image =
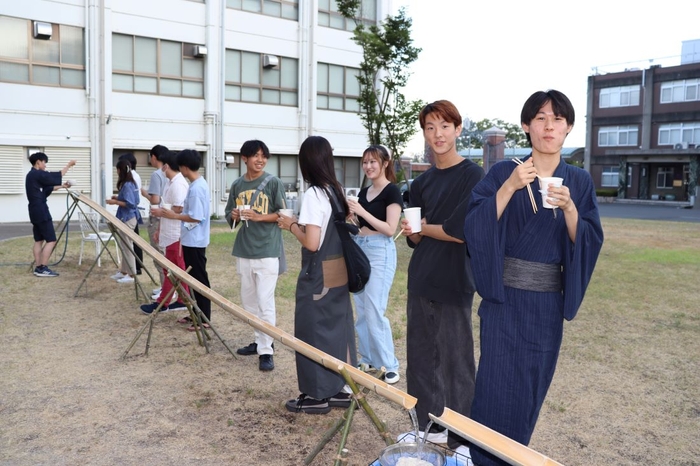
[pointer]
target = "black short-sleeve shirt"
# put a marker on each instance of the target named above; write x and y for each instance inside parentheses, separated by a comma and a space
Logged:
(377, 207)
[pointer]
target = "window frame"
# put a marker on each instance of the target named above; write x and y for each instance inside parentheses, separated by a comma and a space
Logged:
(670, 90)
(284, 6)
(667, 173)
(613, 171)
(605, 132)
(350, 102)
(161, 77)
(33, 64)
(614, 96)
(671, 134)
(331, 18)
(261, 86)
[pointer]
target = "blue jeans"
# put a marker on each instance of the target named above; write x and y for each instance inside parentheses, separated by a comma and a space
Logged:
(375, 342)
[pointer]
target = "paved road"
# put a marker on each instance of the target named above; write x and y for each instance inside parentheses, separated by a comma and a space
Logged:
(650, 212)
(615, 210)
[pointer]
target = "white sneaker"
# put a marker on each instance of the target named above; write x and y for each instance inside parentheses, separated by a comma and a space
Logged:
(433, 437)
(391, 377)
(463, 456)
(117, 276)
(126, 279)
(156, 291)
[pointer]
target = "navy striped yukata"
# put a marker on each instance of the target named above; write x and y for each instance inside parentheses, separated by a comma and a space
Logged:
(521, 329)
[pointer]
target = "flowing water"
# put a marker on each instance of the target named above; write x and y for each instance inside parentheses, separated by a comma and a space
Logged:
(419, 441)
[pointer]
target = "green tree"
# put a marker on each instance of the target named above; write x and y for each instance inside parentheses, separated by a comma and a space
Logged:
(472, 133)
(387, 51)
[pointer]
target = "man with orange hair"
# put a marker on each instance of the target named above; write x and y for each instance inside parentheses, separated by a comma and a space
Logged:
(440, 348)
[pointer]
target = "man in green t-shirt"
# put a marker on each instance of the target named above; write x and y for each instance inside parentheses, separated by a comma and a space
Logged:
(258, 242)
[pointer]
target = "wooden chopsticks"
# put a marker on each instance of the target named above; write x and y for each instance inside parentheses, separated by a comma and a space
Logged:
(529, 189)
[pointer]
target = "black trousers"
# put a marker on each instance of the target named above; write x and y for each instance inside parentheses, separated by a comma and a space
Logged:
(138, 252)
(197, 259)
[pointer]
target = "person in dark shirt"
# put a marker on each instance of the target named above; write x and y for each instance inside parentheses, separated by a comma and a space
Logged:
(440, 366)
(39, 185)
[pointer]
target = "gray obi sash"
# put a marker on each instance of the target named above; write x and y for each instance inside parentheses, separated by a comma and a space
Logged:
(531, 276)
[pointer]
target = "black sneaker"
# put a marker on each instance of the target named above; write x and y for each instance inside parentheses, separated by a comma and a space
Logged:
(341, 400)
(248, 350)
(149, 308)
(266, 362)
(308, 405)
(44, 271)
(176, 306)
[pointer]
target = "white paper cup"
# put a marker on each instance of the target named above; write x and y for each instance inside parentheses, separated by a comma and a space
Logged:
(353, 198)
(287, 212)
(412, 214)
(544, 187)
(155, 206)
(167, 206)
(71, 183)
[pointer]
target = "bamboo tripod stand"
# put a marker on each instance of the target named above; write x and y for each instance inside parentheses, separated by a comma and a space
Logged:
(345, 422)
(196, 315)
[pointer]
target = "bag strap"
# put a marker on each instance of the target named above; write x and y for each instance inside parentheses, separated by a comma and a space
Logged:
(261, 186)
(338, 216)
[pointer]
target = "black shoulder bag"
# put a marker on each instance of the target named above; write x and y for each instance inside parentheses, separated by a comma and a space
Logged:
(356, 261)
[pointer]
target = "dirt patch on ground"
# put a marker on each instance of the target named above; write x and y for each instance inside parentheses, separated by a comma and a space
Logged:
(67, 397)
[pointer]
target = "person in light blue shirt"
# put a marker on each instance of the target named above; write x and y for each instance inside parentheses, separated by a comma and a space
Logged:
(195, 226)
(127, 201)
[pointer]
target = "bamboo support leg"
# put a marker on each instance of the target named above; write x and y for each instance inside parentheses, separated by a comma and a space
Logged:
(342, 451)
(381, 427)
(327, 436)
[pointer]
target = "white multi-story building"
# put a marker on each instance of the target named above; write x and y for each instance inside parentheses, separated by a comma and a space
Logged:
(92, 79)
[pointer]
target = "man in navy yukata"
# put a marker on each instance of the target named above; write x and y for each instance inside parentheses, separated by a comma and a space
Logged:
(531, 266)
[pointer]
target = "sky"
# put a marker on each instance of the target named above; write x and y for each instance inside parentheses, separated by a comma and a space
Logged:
(488, 57)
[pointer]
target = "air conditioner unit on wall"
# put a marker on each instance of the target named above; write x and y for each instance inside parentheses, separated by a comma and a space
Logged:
(680, 145)
(270, 61)
(42, 30)
(200, 51)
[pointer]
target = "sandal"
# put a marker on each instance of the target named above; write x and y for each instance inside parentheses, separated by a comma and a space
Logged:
(192, 328)
(185, 320)
(308, 405)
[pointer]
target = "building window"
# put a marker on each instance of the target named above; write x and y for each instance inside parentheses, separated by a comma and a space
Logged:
(676, 133)
(282, 166)
(248, 79)
(347, 171)
(156, 66)
(287, 9)
(610, 177)
(686, 90)
(329, 16)
(338, 88)
(664, 178)
(625, 96)
(617, 136)
(58, 61)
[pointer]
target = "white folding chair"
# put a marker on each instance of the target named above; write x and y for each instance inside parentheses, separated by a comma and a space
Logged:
(89, 224)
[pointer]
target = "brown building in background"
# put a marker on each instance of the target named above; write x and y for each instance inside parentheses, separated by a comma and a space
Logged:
(643, 132)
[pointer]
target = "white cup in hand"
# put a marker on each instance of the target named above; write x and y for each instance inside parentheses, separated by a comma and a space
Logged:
(412, 214)
(544, 187)
(71, 183)
(287, 212)
(167, 206)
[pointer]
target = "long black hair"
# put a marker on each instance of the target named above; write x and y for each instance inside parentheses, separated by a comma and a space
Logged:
(316, 164)
(124, 173)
